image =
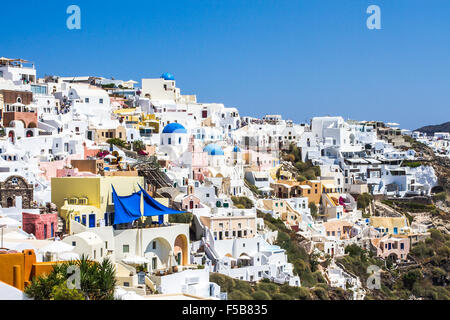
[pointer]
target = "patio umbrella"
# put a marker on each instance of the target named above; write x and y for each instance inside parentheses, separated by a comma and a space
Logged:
(68, 256)
(110, 157)
(10, 223)
(132, 259)
(57, 247)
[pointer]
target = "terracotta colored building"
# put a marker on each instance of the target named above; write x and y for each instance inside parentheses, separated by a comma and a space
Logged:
(18, 269)
(13, 106)
(43, 226)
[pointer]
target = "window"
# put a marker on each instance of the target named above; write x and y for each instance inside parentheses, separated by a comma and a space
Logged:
(126, 248)
(74, 243)
(95, 254)
(402, 246)
(106, 244)
(126, 284)
(100, 101)
(154, 245)
(86, 100)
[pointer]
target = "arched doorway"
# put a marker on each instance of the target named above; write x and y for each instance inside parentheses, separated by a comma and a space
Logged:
(157, 252)
(352, 139)
(181, 250)
(11, 136)
(9, 202)
(392, 258)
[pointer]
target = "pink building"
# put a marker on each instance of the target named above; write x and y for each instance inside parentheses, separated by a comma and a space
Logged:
(73, 173)
(395, 248)
(50, 168)
(90, 152)
(43, 226)
(261, 160)
(198, 160)
(190, 202)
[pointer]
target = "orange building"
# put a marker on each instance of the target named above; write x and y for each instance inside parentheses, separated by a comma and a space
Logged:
(18, 269)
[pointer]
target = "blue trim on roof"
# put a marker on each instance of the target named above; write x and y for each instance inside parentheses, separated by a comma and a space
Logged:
(168, 76)
(213, 150)
(174, 128)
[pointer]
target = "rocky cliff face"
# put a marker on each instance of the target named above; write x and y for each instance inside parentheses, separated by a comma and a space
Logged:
(430, 130)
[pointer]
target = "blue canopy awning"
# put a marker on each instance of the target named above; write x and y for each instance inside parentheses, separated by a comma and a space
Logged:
(126, 209)
(154, 208)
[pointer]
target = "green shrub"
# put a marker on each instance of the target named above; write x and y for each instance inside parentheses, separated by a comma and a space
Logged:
(320, 293)
(281, 296)
(181, 218)
(239, 295)
(410, 278)
(62, 292)
(304, 294)
(442, 196)
(268, 287)
(244, 201)
(261, 295)
(226, 283)
(436, 235)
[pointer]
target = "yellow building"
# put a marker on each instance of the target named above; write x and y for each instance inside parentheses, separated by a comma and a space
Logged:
(87, 199)
(142, 122)
(391, 225)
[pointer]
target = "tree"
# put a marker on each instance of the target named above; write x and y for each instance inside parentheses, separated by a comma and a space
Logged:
(117, 142)
(312, 206)
(410, 278)
(138, 145)
(364, 200)
(314, 260)
(439, 276)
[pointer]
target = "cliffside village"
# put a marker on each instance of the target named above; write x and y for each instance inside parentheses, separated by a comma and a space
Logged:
(99, 167)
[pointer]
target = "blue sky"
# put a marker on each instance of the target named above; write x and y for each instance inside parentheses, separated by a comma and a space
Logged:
(296, 58)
